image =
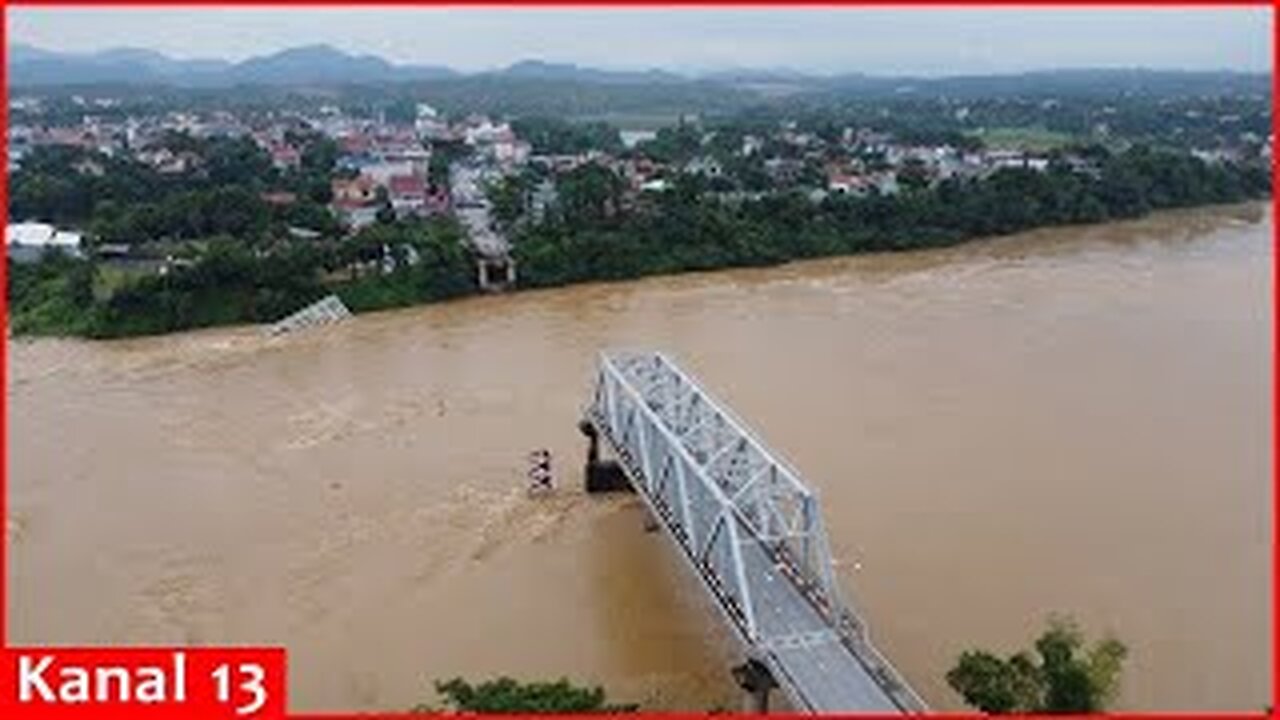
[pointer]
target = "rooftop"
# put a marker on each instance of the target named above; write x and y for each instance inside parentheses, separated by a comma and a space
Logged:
(40, 234)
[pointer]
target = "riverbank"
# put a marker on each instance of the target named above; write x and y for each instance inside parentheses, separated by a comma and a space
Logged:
(372, 295)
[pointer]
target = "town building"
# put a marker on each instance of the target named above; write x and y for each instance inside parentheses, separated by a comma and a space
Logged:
(29, 241)
(408, 194)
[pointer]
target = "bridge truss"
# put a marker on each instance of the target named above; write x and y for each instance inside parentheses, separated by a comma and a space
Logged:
(751, 529)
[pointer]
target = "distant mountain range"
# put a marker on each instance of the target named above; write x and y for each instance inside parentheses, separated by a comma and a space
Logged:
(325, 65)
(309, 64)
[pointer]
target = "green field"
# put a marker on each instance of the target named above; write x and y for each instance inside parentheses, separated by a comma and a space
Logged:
(1031, 139)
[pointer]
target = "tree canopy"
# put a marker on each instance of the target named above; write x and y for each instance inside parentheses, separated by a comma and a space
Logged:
(691, 226)
(1066, 678)
(556, 136)
(505, 695)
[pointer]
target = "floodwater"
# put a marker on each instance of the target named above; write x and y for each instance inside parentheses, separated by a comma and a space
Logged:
(1070, 420)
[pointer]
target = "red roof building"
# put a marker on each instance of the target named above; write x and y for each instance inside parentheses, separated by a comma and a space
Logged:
(408, 194)
(407, 187)
(285, 156)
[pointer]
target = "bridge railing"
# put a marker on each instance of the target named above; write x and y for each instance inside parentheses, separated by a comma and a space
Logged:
(756, 486)
(698, 511)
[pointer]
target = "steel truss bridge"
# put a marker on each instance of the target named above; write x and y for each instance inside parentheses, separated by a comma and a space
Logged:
(750, 528)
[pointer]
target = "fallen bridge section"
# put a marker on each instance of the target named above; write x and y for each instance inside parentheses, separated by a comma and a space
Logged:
(327, 310)
(750, 529)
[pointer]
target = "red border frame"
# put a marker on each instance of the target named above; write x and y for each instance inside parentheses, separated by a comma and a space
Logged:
(740, 4)
(674, 4)
(4, 354)
(921, 4)
(1275, 372)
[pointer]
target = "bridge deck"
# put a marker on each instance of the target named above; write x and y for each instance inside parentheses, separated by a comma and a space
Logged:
(825, 673)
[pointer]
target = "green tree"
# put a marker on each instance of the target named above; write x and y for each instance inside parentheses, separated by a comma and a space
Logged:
(506, 695)
(673, 145)
(508, 196)
(1067, 679)
(443, 154)
(555, 136)
(590, 195)
(913, 175)
(382, 197)
(50, 296)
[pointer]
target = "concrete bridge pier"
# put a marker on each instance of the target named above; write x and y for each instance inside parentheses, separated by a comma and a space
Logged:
(494, 274)
(601, 475)
(757, 683)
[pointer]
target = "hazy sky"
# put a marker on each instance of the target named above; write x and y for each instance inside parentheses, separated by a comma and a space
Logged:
(874, 40)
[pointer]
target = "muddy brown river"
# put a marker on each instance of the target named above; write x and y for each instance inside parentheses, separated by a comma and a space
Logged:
(1069, 420)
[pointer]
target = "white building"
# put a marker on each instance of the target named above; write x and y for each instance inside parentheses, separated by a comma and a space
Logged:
(29, 241)
(431, 128)
(705, 165)
(515, 152)
(997, 159)
(357, 217)
(631, 138)
(382, 172)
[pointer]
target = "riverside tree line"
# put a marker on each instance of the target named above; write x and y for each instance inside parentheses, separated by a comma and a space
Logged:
(688, 228)
(1061, 675)
(242, 264)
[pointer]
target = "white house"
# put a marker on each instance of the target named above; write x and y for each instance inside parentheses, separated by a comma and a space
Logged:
(705, 165)
(997, 159)
(358, 216)
(511, 151)
(29, 241)
(382, 172)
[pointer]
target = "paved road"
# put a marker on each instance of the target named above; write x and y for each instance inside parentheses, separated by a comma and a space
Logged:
(808, 651)
(473, 209)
